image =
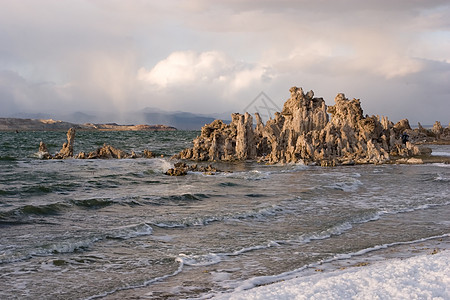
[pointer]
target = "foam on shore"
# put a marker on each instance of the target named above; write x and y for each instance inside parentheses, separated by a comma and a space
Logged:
(423, 276)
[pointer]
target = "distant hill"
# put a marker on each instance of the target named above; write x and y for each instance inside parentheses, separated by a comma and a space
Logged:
(178, 119)
(183, 121)
(18, 124)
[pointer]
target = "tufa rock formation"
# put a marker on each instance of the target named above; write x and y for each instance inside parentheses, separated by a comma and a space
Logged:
(43, 152)
(67, 148)
(436, 135)
(104, 152)
(304, 131)
(181, 169)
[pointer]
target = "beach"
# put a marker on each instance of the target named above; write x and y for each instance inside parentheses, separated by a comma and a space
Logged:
(417, 270)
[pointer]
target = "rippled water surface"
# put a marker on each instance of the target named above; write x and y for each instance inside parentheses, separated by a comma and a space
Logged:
(117, 229)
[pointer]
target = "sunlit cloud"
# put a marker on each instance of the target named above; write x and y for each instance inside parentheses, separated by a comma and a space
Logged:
(187, 68)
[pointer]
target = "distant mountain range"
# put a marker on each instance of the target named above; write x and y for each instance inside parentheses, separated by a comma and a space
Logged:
(20, 124)
(151, 116)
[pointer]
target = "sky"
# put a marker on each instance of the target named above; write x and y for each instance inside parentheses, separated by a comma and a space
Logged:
(209, 57)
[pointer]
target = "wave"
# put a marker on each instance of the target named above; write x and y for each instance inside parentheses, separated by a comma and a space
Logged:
(214, 258)
(93, 203)
(64, 246)
(415, 208)
(7, 193)
(209, 259)
(185, 197)
(227, 184)
(255, 195)
(252, 175)
(15, 215)
(74, 244)
(206, 220)
(144, 284)
(200, 260)
(40, 189)
(37, 190)
(130, 231)
(440, 153)
(171, 199)
(351, 185)
(339, 228)
(443, 165)
(440, 178)
(23, 214)
(334, 230)
(274, 210)
(160, 165)
(7, 158)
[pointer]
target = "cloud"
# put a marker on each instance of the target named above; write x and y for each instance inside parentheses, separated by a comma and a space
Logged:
(190, 68)
(215, 56)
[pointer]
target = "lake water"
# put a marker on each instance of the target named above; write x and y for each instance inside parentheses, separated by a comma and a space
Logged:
(121, 229)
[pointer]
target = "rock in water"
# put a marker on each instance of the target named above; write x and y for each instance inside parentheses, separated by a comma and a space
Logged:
(105, 152)
(179, 169)
(67, 148)
(303, 131)
(437, 129)
(43, 152)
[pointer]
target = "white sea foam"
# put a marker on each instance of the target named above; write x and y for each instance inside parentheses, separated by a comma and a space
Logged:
(425, 274)
(339, 229)
(248, 249)
(200, 260)
(66, 246)
(131, 231)
(441, 165)
(161, 165)
(440, 153)
(421, 277)
(418, 207)
(251, 175)
(439, 177)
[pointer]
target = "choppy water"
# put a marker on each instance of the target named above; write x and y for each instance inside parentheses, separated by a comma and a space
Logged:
(118, 229)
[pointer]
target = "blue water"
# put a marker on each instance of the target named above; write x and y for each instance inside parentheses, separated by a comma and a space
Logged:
(118, 229)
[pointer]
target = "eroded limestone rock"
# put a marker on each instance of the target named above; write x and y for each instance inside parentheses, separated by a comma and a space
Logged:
(43, 151)
(181, 169)
(104, 152)
(437, 134)
(304, 131)
(67, 148)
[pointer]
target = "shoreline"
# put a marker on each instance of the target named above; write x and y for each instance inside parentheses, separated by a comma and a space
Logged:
(348, 270)
(400, 251)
